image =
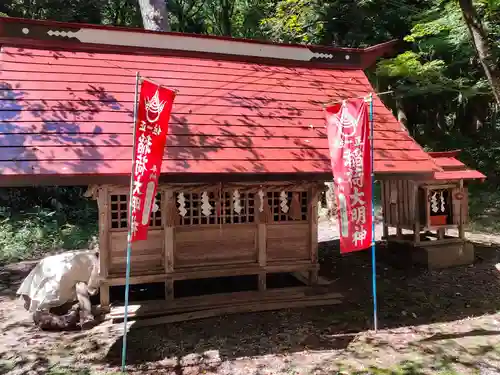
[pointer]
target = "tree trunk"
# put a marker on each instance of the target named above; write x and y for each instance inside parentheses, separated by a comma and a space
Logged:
(482, 46)
(226, 15)
(154, 15)
(401, 113)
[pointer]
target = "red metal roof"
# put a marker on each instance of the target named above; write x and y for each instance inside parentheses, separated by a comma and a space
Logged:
(448, 163)
(453, 169)
(70, 113)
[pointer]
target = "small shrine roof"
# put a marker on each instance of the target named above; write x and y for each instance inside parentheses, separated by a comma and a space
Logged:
(453, 169)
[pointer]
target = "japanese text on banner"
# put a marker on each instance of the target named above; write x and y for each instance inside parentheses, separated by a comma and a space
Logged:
(153, 115)
(350, 150)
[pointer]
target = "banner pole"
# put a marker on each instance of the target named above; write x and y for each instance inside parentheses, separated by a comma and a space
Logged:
(129, 234)
(374, 264)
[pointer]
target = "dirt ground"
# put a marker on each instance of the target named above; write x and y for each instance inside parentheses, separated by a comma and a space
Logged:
(439, 322)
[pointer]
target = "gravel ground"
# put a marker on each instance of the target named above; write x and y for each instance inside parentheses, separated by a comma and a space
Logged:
(430, 323)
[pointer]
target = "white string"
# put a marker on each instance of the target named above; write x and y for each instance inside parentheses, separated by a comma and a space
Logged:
(367, 97)
(142, 78)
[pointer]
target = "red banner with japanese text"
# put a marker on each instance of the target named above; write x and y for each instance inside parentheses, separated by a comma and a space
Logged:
(153, 115)
(349, 142)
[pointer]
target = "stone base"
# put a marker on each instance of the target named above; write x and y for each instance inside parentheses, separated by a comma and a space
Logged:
(438, 256)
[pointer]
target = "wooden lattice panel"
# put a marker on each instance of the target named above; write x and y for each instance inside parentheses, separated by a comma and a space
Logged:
(247, 204)
(119, 212)
(199, 210)
(276, 203)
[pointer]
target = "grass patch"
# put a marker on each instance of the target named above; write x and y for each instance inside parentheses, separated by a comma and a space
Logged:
(31, 236)
(408, 368)
(6, 366)
(69, 371)
(484, 208)
(39, 221)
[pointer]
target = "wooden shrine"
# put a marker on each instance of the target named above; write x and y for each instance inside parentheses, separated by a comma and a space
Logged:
(202, 231)
(431, 214)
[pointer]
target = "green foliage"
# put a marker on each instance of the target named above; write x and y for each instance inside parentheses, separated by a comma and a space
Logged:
(64, 10)
(440, 52)
(70, 371)
(343, 23)
(298, 21)
(238, 18)
(34, 221)
(484, 207)
(409, 65)
(66, 371)
(248, 15)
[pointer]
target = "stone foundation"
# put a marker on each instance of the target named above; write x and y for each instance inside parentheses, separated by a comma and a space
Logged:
(439, 256)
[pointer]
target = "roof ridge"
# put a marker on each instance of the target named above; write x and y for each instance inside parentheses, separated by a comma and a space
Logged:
(27, 32)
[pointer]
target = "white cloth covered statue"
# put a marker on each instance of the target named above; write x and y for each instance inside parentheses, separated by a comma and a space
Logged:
(53, 281)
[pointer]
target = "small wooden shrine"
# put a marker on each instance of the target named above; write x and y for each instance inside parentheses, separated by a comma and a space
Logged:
(430, 214)
(202, 231)
(246, 156)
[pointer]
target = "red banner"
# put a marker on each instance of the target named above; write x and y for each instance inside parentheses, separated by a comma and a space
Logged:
(349, 142)
(153, 115)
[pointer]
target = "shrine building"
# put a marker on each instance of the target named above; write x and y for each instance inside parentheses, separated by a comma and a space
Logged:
(246, 136)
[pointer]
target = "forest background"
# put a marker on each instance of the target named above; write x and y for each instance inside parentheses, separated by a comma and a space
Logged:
(445, 78)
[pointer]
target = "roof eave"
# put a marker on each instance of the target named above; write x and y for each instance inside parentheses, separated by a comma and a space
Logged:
(444, 154)
(182, 178)
(465, 174)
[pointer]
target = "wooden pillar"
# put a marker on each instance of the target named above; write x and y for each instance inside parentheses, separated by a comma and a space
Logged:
(464, 201)
(262, 243)
(169, 240)
(385, 231)
(313, 233)
(427, 209)
(415, 213)
(103, 206)
(385, 211)
(169, 289)
(262, 251)
(399, 209)
(392, 204)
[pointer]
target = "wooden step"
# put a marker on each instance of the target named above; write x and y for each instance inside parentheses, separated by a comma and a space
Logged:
(248, 307)
(241, 301)
(196, 303)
